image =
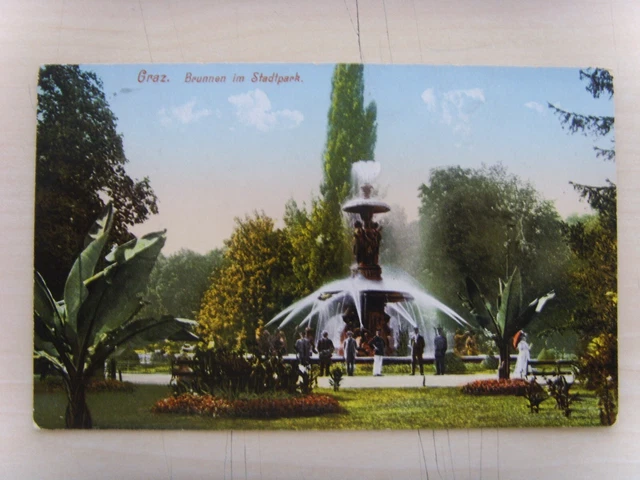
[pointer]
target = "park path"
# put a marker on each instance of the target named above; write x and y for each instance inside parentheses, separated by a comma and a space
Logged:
(359, 381)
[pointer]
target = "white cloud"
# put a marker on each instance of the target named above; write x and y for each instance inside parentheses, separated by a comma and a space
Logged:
(458, 106)
(165, 119)
(183, 114)
(254, 109)
(429, 97)
(535, 106)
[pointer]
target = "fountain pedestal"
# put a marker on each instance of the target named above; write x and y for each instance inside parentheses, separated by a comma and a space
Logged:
(367, 236)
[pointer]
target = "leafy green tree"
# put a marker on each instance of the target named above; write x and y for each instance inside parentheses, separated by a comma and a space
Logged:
(253, 284)
(594, 242)
(321, 247)
(483, 223)
(98, 312)
(178, 283)
(80, 162)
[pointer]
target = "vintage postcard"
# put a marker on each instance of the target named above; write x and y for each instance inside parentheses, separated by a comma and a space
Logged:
(344, 246)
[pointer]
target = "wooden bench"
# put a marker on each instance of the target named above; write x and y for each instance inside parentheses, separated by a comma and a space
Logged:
(550, 368)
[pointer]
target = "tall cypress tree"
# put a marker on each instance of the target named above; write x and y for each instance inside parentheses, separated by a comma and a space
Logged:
(351, 132)
(351, 136)
(319, 241)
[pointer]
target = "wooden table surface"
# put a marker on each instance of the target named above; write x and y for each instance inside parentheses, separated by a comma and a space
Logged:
(510, 33)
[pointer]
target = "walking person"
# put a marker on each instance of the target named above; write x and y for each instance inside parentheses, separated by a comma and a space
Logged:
(378, 345)
(440, 344)
(350, 346)
(325, 347)
(524, 354)
(417, 351)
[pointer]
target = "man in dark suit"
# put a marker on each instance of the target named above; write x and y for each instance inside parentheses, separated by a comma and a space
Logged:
(303, 350)
(325, 349)
(440, 344)
(417, 350)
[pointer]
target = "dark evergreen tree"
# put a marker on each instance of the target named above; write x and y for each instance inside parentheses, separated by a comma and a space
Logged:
(79, 167)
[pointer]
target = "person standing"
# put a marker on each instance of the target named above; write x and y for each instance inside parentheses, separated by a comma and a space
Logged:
(524, 354)
(378, 345)
(417, 350)
(325, 349)
(440, 344)
(350, 346)
(303, 350)
(280, 344)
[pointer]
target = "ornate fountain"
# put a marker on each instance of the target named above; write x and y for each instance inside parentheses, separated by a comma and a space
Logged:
(366, 302)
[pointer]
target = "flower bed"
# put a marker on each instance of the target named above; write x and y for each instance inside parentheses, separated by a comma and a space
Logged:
(55, 383)
(496, 387)
(109, 385)
(303, 406)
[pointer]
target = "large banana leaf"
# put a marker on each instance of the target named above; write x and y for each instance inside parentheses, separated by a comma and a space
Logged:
(115, 293)
(75, 291)
(46, 307)
(479, 305)
(528, 314)
(138, 332)
(510, 302)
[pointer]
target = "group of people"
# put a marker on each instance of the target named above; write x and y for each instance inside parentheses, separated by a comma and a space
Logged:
(417, 351)
(304, 348)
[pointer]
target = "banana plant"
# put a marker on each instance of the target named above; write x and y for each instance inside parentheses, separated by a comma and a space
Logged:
(507, 318)
(98, 312)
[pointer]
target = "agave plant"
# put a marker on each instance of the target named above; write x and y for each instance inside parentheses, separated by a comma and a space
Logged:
(509, 316)
(98, 312)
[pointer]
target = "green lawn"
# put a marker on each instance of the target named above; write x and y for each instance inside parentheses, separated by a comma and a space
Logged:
(365, 409)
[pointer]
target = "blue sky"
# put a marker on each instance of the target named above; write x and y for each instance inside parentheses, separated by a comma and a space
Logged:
(215, 151)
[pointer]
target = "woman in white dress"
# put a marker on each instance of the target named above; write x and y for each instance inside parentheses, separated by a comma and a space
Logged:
(520, 339)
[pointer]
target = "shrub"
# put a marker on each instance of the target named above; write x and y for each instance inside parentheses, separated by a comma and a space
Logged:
(598, 370)
(503, 386)
(547, 354)
(490, 363)
(335, 378)
(265, 407)
(454, 364)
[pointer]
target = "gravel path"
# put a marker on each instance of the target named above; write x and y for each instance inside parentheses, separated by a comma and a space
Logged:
(360, 381)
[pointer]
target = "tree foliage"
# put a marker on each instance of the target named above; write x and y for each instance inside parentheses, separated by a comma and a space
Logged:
(351, 132)
(178, 282)
(594, 243)
(252, 285)
(599, 82)
(481, 224)
(80, 164)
